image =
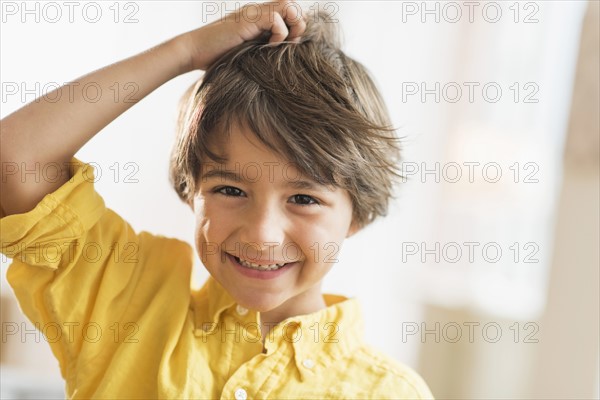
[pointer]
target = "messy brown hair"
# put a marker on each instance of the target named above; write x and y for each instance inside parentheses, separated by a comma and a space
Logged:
(308, 102)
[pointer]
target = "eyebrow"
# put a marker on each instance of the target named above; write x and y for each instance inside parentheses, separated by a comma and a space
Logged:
(234, 176)
(224, 175)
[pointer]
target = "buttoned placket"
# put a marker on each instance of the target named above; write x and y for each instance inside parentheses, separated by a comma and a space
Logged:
(305, 361)
(309, 358)
(245, 318)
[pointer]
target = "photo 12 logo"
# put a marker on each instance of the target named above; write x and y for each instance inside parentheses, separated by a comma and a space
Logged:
(117, 172)
(470, 331)
(51, 92)
(70, 332)
(249, 332)
(470, 172)
(53, 12)
(453, 12)
(471, 92)
(253, 11)
(469, 252)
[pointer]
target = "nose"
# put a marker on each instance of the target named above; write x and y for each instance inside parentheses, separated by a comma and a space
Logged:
(262, 228)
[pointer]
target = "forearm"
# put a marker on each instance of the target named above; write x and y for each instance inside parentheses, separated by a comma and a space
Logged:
(52, 131)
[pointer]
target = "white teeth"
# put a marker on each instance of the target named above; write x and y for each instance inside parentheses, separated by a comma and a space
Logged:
(251, 265)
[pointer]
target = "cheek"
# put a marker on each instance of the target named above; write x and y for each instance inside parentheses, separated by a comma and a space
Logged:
(200, 216)
(320, 240)
(208, 235)
(212, 223)
(200, 233)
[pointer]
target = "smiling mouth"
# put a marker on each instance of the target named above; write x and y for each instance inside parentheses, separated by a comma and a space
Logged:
(259, 267)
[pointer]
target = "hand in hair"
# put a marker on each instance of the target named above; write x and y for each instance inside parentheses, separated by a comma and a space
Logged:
(48, 132)
(283, 19)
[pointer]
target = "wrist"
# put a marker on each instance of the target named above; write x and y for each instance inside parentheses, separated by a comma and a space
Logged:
(180, 48)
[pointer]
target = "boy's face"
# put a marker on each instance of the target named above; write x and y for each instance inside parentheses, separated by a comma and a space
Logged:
(258, 208)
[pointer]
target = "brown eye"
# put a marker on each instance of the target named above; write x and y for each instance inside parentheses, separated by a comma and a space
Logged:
(303, 200)
(230, 191)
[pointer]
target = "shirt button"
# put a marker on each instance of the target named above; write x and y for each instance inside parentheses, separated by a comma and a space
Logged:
(308, 363)
(241, 310)
(240, 394)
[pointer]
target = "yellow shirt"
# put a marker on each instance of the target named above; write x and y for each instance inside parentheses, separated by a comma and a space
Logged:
(120, 316)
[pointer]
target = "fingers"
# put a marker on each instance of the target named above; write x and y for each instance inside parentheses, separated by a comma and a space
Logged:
(284, 20)
(292, 16)
(279, 30)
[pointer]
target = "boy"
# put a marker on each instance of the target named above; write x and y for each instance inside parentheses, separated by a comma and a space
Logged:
(312, 125)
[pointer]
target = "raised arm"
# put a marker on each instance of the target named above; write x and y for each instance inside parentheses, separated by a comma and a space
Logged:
(49, 131)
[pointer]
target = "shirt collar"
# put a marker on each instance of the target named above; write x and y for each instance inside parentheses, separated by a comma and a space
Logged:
(211, 300)
(318, 339)
(326, 335)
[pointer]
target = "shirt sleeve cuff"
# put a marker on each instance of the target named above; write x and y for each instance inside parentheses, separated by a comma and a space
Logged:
(40, 236)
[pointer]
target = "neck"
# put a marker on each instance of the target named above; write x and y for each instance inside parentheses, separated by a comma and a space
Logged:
(305, 303)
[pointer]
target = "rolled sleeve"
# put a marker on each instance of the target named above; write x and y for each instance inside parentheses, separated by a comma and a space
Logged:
(74, 265)
(44, 235)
